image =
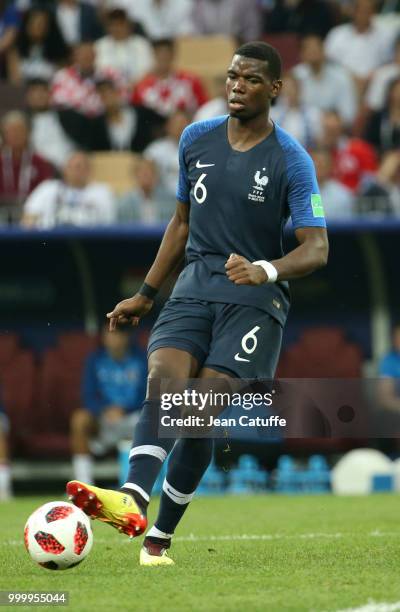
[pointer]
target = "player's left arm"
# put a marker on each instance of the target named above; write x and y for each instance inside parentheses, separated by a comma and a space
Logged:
(307, 213)
(311, 254)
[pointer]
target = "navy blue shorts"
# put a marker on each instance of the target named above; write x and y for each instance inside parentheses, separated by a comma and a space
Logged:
(242, 341)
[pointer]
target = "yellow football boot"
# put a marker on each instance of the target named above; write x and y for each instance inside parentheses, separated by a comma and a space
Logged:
(154, 555)
(116, 508)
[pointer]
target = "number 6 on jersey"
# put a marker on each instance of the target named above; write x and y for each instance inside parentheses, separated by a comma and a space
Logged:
(251, 338)
(200, 191)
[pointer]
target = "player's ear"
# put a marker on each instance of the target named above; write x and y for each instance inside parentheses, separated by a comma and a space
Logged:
(276, 88)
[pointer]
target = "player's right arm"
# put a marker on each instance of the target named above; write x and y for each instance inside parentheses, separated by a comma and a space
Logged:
(170, 254)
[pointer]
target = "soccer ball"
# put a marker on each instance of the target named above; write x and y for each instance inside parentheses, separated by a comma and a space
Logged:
(58, 535)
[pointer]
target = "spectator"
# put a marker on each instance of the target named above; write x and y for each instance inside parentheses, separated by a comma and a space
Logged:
(75, 95)
(337, 200)
(162, 18)
(5, 471)
(381, 79)
(231, 17)
(129, 54)
(113, 387)
(217, 106)
(383, 193)
(146, 203)
(228, 17)
(360, 46)
(354, 160)
(383, 129)
(72, 200)
(48, 137)
(167, 89)
(21, 170)
(320, 81)
(389, 372)
(39, 49)
(122, 127)
(300, 120)
(9, 24)
(78, 21)
(300, 17)
(74, 88)
(165, 153)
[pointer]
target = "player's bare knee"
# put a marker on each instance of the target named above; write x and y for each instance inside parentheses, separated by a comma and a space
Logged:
(81, 421)
(171, 363)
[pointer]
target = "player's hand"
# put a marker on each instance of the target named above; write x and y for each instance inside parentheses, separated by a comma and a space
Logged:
(130, 311)
(241, 272)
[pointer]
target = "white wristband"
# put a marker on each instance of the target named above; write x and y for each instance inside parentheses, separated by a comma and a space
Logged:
(269, 268)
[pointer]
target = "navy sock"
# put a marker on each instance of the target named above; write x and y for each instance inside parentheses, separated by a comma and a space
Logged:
(187, 464)
(147, 454)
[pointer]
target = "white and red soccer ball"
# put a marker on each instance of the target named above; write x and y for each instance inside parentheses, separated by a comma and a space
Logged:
(58, 535)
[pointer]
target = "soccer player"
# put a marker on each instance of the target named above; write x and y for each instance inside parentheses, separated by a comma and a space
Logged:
(241, 177)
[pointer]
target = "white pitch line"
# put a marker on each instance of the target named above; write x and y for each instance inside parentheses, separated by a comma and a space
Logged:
(244, 538)
(373, 606)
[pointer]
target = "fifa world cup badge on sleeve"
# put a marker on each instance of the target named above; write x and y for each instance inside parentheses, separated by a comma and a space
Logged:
(316, 204)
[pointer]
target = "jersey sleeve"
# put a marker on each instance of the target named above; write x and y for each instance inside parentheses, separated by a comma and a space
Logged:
(304, 198)
(183, 188)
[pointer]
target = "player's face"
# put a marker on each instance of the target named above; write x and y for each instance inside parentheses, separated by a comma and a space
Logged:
(249, 88)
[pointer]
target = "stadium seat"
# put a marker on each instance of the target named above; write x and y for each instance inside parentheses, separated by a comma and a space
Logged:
(321, 352)
(75, 346)
(9, 347)
(12, 97)
(59, 393)
(17, 382)
(288, 45)
(115, 168)
(206, 56)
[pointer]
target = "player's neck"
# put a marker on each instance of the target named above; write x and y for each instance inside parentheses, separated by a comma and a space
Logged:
(243, 135)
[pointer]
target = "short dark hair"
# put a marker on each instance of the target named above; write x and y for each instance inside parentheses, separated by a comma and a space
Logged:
(163, 42)
(104, 80)
(117, 14)
(37, 81)
(264, 52)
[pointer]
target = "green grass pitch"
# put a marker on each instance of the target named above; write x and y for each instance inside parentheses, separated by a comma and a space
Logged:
(264, 553)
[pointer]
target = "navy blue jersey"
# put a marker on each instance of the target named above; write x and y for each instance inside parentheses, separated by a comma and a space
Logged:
(240, 203)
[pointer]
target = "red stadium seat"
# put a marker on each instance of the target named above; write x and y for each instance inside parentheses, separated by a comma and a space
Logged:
(17, 381)
(288, 45)
(59, 393)
(76, 345)
(321, 352)
(9, 347)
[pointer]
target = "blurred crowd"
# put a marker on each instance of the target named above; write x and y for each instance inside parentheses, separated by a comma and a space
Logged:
(101, 76)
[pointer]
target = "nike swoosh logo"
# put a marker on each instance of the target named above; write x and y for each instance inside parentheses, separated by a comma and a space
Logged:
(237, 358)
(199, 165)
